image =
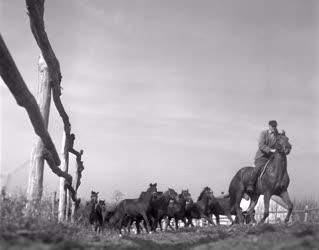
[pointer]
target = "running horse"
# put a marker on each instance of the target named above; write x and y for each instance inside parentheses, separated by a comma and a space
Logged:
(200, 208)
(273, 180)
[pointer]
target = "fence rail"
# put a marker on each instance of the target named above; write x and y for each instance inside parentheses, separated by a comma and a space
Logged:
(305, 211)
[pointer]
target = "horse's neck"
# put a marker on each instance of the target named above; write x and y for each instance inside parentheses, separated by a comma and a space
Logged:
(182, 202)
(279, 165)
(200, 196)
(165, 197)
(203, 201)
(93, 205)
(146, 197)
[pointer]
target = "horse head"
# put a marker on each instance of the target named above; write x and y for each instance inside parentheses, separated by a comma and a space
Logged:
(206, 192)
(102, 202)
(172, 194)
(282, 143)
(186, 195)
(152, 189)
(94, 197)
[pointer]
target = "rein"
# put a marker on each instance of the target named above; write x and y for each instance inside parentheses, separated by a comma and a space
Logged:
(266, 165)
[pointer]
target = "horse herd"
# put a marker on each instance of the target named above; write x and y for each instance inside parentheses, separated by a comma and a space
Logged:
(152, 207)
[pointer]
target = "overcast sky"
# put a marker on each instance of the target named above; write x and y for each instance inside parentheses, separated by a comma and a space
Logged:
(173, 92)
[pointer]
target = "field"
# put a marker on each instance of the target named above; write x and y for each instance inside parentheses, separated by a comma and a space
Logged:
(267, 236)
(41, 231)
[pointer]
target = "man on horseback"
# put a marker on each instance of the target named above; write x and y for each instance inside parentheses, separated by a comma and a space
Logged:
(266, 143)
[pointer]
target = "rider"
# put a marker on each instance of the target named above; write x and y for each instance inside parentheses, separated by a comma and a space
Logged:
(266, 143)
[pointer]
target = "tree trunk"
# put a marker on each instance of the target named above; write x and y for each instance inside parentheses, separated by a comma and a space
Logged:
(35, 185)
(65, 168)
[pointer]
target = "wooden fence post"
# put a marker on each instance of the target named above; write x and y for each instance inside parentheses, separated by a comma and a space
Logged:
(35, 184)
(64, 168)
(306, 213)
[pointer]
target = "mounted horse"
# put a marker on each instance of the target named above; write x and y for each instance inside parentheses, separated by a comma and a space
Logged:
(200, 208)
(177, 209)
(273, 180)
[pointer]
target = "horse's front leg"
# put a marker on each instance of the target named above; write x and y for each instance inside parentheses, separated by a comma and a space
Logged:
(285, 197)
(208, 218)
(266, 206)
(191, 222)
(228, 214)
(252, 205)
(169, 224)
(176, 223)
(184, 221)
(238, 210)
(129, 224)
(160, 223)
(148, 227)
(168, 220)
(138, 226)
(217, 219)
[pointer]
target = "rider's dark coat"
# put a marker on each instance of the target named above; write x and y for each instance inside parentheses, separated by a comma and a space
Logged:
(267, 141)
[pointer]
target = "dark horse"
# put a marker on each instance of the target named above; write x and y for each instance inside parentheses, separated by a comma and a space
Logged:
(274, 180)
(221, 206)
(200, 208)
(136, 208)
(159, 205)
(177, 209)
(95, 216)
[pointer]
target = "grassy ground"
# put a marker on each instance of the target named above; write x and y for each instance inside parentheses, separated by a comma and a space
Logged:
(295, 236)
(41, 231)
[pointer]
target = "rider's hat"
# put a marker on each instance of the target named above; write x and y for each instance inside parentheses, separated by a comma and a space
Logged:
(273, 123)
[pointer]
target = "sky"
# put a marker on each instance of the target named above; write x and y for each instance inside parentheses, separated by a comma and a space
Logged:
(173, 92)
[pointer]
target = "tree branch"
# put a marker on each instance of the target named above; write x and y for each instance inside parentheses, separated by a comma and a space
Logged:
(14, 81)
(36, 12)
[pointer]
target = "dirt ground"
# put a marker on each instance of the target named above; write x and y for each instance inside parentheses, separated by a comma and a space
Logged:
(267, 236)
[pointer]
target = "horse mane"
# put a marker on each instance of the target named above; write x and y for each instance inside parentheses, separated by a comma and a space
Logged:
(202, 193)
(142, 194)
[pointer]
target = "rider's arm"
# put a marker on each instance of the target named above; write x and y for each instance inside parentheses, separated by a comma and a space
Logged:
(262, 143)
